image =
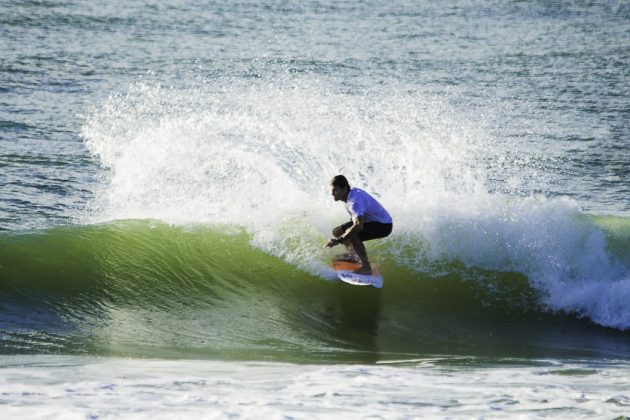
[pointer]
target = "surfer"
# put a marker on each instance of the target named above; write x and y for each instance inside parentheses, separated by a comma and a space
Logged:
(369, 221)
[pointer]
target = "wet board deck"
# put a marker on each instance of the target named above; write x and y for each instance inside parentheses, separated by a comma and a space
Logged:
(343, 269)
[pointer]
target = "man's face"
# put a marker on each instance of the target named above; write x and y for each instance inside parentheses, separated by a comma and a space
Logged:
(338, 193)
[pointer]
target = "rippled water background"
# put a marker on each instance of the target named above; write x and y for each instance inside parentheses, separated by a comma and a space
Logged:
(551, 78)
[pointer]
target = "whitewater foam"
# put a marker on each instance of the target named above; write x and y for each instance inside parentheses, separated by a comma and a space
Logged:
(45, 386)
(259, 154)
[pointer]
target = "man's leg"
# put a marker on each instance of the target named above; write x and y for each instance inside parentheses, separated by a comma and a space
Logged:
(351, 253)
(359, 248)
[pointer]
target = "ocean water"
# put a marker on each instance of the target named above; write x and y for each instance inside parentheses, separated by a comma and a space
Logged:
(164, 202)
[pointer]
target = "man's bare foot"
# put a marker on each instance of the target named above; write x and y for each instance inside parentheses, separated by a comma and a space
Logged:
(367, 271)
(346, 257)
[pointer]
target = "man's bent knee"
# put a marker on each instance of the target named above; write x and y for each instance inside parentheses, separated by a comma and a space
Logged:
(338, 231)
(353, 236)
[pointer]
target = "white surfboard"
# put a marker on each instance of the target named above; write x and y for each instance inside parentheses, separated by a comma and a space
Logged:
(344, 269)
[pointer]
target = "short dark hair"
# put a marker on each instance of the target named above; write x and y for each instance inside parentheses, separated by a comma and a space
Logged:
(340, 181)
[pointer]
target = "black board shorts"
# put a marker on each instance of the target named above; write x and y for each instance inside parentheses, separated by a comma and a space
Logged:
(371, 230)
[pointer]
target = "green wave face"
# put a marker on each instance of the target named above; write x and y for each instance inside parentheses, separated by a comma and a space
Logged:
(147, 289)
(618, 235)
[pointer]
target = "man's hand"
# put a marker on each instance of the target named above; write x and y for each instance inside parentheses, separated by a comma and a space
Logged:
(332, 242)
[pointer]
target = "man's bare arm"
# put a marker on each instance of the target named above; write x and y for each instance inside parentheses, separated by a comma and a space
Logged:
(357, 226)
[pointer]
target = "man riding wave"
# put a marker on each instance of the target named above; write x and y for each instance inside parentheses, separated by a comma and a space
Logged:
(369, 221)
